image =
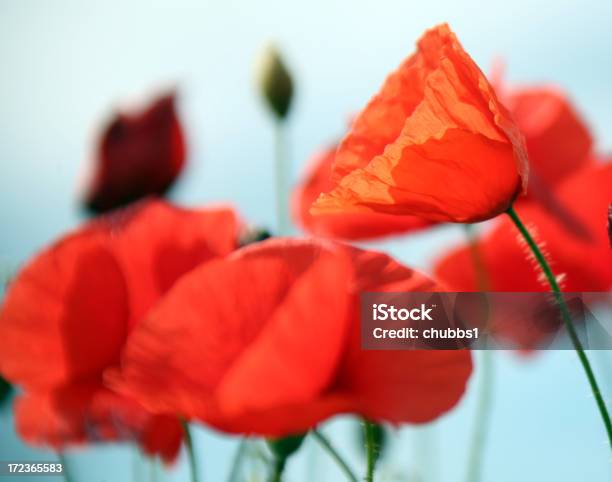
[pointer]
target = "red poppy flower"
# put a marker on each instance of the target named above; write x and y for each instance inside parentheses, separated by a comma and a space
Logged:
(267, 341)
(350, 226)
(138, 154)
(557, 138)
(434, 142)
(89, 412)
(576, 247)
(67, 315)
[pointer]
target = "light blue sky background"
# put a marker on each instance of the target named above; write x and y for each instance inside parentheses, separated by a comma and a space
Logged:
(66, 64)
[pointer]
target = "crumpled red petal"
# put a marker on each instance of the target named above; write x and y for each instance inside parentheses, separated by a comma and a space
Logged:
(348, 226)
(434, 142)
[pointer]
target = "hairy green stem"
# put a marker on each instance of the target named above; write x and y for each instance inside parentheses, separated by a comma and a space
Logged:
(567, 319)
(326, 444)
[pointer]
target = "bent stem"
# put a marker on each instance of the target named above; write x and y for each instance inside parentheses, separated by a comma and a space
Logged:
(485, 391)
(567, 319)
(328, 447)
(193, 465)
(370, 450)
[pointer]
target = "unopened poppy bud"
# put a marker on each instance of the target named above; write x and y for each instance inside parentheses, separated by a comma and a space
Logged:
(275, 82)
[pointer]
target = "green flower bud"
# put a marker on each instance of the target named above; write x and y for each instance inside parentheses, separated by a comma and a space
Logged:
(275, 82)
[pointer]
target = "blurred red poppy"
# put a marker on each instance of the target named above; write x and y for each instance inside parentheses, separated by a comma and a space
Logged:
(68, 313)
(267, 341)
(558, 139)
(349, 226)
(578, 251)
(434, 142)
(138, 154)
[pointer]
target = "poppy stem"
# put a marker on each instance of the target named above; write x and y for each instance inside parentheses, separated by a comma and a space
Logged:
(329, 448)
(278, 469)
(370, 450)
(65, 470)
(483, 416)
(193, 465)
(567, 319)
(280, 175)
(237, 462)
(485, 389)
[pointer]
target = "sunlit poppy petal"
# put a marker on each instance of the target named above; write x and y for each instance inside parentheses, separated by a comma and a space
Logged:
(434, 142)
(350, 226)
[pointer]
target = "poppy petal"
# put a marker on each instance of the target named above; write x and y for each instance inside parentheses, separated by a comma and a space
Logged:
(557, 138)
(256, 316)
(87, 413)
(400, 385)
(75, 283)
(156, 243)
(509, 267)
(138, 155)
(349, 226)
(456, 155)
(252, 319)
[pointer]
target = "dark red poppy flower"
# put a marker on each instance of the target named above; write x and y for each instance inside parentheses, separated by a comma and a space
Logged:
(576, 247)
(138, 154)
(435, 142)
(349, 226)
(558, 140)
(68, 313)
(267, 341)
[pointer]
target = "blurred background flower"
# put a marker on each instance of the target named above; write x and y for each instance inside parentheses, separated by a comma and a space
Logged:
(138, 154)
